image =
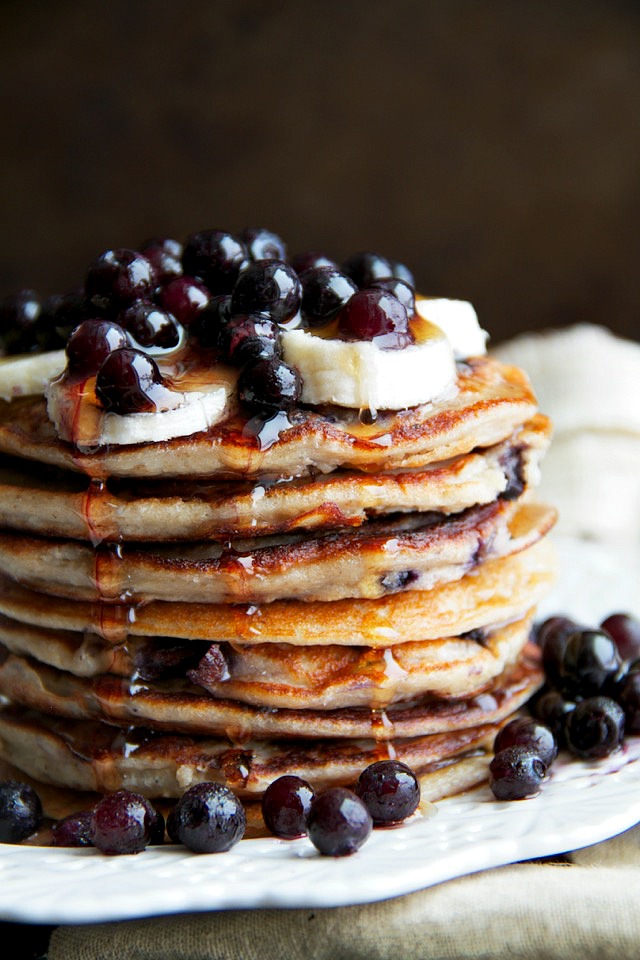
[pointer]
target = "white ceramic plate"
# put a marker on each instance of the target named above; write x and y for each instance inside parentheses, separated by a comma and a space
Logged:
(579, 805)
(468, 833)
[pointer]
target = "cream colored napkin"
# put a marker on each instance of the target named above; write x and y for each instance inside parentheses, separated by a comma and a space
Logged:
(586, 909)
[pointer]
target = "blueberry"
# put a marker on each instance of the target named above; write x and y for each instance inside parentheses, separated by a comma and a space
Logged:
(269, 287)
(364, 267)
(325, 291)
(269, 385)
(401, 272)
(211, 321)
(91, 343)
(551, 636)
(121, 823)
(400, 289)
(215, 257)
(19, 315)
(595, 728)
(184, 298)
(310, 258)
(245, 338)
(118, 277)
(527, 732)
(150, 325)
(262, 244)
(73, 830)
(390, 791)
(128, 381)
(624, 629)
(550, 708)
(338, 822)
(285, 806)
(589, 663)
(165, 256)
(515, 773)
(628, 696)
(208, 818)
(20, 811)
(375, 315)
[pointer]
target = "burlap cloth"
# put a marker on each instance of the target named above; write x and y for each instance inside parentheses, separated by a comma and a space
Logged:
(585, 905)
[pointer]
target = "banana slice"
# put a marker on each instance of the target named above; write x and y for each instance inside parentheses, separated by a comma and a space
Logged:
(459, 321)
(361, 375)
(78, 418)
(27, 375)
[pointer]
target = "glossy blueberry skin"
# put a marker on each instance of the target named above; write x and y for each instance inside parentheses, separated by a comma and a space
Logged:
(165, 256)
(245, 338)
(184, 298)
(285, 806)
(516, 773)
(311, 258)
(263, 244)
(90, 344)
(400, 289)
(628, 696)
(390, 791)
(118, 277)
(325, 291)
(270, 287)
(338, 822)
(589, 663)
(551, 636)
(211, 321)
(19, 315)
(20, 811)
(528, 732)
(128, 381)
(269, 385)
(364, 267)
(215, 257)
(208, 818)
(595, 728)
(150, 325)
(375, 315)
(624, 629)
(120, 823)
(73, 830)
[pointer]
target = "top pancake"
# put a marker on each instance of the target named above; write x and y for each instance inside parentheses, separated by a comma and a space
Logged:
(492, 400)
(57, 503)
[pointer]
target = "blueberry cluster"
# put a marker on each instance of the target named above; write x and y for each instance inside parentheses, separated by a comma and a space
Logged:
(231, 294)
(338, 820)
(209, 817)
(590, 700)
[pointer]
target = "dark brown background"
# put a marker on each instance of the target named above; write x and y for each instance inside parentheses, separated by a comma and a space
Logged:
(493, 146)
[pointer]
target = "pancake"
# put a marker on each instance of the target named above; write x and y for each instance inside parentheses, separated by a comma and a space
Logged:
(278, 675)
(303, 592)
(88, 756)
(494, 592)
(55, 503)
(183, 707)
(413, 552)
(492, 400)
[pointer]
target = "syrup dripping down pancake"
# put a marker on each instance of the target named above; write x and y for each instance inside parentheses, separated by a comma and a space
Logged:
(492, 400)
(412, 552)
(180, 706)
(281, 675)
(55, 503)
(93, 756)
(497, 591)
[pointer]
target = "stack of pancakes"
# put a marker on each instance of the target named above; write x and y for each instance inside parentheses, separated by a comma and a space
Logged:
(302, 596)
